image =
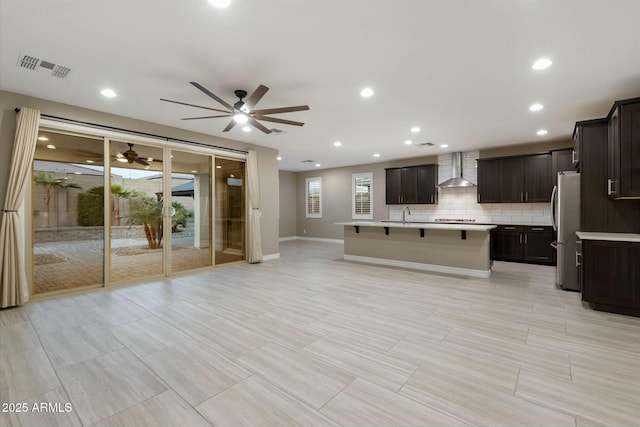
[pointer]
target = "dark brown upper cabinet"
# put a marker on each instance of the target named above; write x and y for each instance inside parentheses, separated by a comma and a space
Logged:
(489, 181)
(624, 150)
(427, 181)
(411, 185)
(518, 179)
(538, 178)
(561, 161)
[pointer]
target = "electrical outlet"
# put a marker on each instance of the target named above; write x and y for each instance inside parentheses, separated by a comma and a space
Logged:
(304, 231)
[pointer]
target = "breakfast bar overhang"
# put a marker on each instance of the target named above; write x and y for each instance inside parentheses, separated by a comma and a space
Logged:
(462, 249)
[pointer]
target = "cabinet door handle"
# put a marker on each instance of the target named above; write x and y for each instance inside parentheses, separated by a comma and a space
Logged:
(578, 259)
(573, 157)
(478, 197)
(526, 196)
(610, 186)
(432, 198)
(526, 240)
(520, 238)
(521, 196)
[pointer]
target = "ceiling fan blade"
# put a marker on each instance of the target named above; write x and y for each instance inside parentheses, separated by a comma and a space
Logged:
(256, 96)
(206, 117)
(281, 110)
(276, 120)
(142, 162)
(253, 122)
(220, 100)
(230, 126)
(193, 105)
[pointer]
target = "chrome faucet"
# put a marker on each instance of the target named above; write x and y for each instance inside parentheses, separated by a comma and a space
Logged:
(406, 209)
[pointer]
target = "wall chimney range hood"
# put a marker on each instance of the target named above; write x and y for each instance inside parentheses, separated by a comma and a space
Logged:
(456, 181)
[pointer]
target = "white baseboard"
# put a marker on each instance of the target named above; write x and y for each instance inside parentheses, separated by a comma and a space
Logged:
(319, 239)
(285, 239)
(271, 257)
(419, 266)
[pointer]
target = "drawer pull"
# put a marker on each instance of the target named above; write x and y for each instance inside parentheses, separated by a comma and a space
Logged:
(509, 228)
(537, 229)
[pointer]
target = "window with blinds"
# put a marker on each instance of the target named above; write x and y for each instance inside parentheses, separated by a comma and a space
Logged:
(314, 197)
(362, 195)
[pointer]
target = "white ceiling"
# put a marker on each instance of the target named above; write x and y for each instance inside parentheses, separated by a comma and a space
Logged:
(458, 69)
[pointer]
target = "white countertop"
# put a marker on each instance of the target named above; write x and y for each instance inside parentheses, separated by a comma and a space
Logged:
(424, 225)
(613, 237)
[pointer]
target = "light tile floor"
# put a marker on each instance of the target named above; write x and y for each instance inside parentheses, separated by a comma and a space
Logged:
(312, 340)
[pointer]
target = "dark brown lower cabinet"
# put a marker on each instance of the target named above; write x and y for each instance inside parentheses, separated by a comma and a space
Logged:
(521, 243)
(610, 274)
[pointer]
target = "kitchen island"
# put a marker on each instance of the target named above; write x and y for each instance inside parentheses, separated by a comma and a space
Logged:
(462, 249)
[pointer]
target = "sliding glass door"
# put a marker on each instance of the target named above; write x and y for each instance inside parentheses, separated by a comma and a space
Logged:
(190, 211)
(68, 219)
(136, 211)
(230, 210)
(115, 211)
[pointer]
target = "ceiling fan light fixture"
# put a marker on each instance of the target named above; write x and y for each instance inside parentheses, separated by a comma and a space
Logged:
(122, 159)
(240, 118)
(246, 129)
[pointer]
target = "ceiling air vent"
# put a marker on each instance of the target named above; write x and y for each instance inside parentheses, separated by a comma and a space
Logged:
(33, 63)
(308, 161)
(28, 62)
(277, 131)
(423, 144)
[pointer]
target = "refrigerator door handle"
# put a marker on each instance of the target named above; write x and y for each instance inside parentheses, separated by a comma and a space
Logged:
(554, 196)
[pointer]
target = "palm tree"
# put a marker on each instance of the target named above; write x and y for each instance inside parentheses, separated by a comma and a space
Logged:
(49, 181)
(118, 193)
(148, 212)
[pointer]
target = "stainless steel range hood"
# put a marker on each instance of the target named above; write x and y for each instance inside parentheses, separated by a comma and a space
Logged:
(457, 180)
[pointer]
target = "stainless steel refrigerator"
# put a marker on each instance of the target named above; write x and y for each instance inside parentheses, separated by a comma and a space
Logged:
(565, 217)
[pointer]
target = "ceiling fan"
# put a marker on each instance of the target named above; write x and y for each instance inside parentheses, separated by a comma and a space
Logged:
(242, 111)
(131, 156)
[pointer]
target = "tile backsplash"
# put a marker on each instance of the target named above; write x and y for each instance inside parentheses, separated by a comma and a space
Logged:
(461, 203)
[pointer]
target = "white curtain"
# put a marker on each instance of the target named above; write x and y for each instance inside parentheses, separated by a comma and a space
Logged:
(253, 183)
(14, 288)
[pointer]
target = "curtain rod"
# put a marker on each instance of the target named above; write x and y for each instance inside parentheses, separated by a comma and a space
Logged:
(135, 132)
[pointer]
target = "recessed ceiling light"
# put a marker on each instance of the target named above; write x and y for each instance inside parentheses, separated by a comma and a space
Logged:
(77, 173)
(194, 171)
(415, 129)
(149, 159)
(536, 107)
(122, 160)
(108, 93)
(367, 92)
(337, 144)
(279, 158)
(318, 165)
(218, 167)
(51, 146)
(376, 155)
(90, 161)
(541, 64)
(408, 142)
(43, 138)
(246, 128)
(444, 145)
(147, 167)
(542, 132)
(220, 3)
